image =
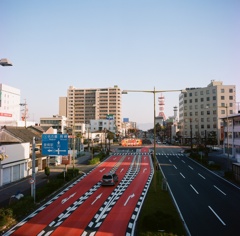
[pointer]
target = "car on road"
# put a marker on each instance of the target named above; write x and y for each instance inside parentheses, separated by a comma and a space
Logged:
(109, 179)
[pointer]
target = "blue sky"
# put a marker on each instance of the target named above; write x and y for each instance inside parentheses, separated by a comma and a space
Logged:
(135, 44)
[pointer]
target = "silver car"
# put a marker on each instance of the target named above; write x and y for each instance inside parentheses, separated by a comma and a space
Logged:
(109, 179)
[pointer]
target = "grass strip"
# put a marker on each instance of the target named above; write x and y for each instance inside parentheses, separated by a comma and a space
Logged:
(159, 215)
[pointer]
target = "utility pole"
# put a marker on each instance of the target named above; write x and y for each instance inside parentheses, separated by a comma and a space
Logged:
(33, 185)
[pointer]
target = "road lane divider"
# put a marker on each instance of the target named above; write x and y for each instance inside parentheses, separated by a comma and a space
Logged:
(217, 216)
(201, 176)
(194, 189)
(182, 175)
(219, 190)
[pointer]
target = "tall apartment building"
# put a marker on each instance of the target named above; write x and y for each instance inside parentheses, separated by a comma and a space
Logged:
(9, 105)
(84, 105)
(201, 110)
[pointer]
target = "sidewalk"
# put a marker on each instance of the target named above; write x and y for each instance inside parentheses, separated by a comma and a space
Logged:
(23, 186)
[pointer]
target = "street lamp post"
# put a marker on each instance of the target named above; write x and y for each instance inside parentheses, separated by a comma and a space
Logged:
(154, 91)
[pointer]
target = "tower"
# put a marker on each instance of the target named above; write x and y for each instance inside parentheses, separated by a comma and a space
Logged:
(161, 104)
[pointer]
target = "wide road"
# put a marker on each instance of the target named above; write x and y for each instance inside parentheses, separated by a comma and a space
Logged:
(209, 204)
(87, 208)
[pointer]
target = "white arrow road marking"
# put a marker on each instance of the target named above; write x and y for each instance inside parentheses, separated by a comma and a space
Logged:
(144, 170)
(65, 199)
(102, 170)
(121, 170)
(96, 198)
(131, 196)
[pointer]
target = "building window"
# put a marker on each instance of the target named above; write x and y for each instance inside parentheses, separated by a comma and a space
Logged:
(207, 91)
(196, 100)
(230, 97)
(208, 98)
(190, 94)
(196, 93)
(208, 126)
(201, 92)
(230, 90)
(214, 91)
(222, 98)
(208, 112)
(202, 99)
(214, 98)
(202, 113)
(190, 100)
(222, 90)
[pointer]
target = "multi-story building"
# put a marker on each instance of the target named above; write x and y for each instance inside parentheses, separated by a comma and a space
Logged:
(231, 129)
(56, 122)
(83, 105)
(9, 105)
(201, 110)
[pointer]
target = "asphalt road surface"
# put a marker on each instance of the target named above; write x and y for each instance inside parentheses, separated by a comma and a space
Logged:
(208, 204)
(87, 208)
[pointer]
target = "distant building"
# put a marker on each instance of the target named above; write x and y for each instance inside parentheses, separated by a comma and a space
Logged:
(231, 142)
(56, 122)
(201, 110)
(9, 105)
(83, 105)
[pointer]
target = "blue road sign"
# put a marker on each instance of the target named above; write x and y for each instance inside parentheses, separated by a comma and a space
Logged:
(55, 144)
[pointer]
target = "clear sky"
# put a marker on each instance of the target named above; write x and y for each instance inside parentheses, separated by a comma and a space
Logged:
(135, 44)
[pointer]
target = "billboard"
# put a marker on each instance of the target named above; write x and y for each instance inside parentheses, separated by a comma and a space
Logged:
(110, 117)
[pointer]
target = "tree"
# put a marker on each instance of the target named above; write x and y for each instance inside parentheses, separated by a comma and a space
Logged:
(47, 171)
(110, 136)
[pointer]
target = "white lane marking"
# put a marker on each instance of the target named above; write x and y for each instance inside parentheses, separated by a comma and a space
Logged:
(182, 175)
(183, 161)
(175, 167)
(217, 215)
(131, 196)
(219, 190)
(190, 167)
(98, 197)
(194, 189)
(170, 161)
(201, 176)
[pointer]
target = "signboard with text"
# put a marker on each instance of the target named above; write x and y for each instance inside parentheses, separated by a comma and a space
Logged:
(55, 144)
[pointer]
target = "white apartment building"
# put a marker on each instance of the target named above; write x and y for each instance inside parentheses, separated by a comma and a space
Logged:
(101, 125)
(83, 105)
(201, 110)
(9, 105)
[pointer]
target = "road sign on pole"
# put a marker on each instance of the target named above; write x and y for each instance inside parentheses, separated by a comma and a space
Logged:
(55, 144)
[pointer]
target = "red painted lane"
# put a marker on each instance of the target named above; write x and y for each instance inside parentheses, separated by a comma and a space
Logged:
(46, 216)
(117, 220)
(76, 223)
